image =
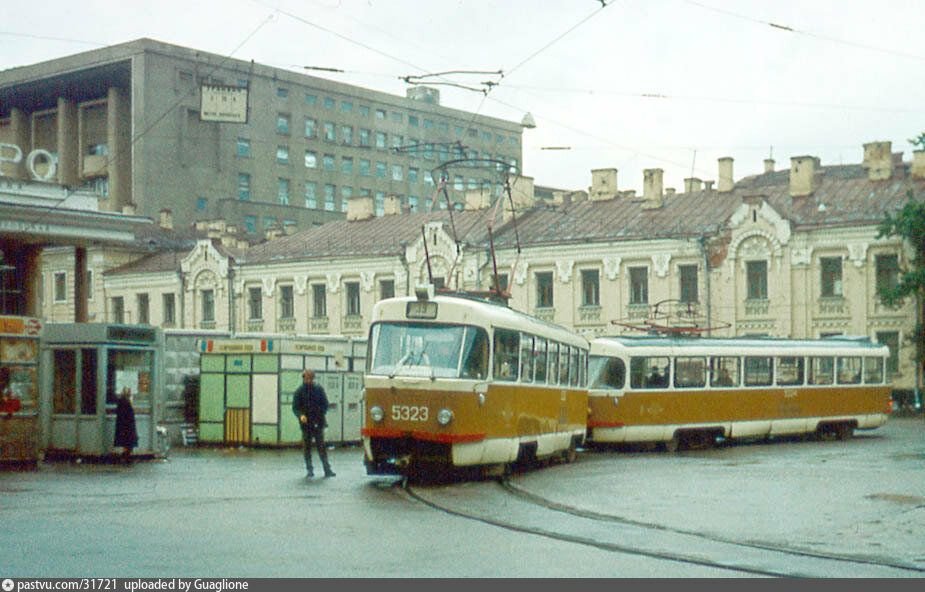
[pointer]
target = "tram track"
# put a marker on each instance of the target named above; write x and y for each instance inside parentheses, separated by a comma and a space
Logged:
(505, 505)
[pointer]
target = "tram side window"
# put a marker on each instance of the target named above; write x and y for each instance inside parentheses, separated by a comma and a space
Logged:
(574, 373)
(552, 358)
(583, 368)
(526, 358)
(475, 354)
(507, 344)
(690, 372)
(607, 372)
(564, 354)
(724, 371)
(821, 370)
(849, 370)
(540, 361)
(758, 371)
(649, 372)
(873, 370)
(790, 370)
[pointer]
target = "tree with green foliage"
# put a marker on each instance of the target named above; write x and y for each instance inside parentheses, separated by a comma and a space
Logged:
(909, 224)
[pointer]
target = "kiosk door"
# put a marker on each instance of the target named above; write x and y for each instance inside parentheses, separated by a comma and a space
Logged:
(76, 418)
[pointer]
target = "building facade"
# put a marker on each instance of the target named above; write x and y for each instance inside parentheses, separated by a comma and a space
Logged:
(134, 124)
(789, 253)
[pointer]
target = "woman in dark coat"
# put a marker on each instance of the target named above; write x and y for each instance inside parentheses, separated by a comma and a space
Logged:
(126, 432)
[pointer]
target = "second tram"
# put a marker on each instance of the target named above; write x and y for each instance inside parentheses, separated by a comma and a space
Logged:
(454, 382)
(677, 391)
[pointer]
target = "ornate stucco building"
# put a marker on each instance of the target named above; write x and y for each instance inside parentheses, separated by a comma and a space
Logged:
(788, 253)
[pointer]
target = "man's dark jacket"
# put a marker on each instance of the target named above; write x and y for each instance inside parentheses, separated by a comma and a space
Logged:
(312, 402)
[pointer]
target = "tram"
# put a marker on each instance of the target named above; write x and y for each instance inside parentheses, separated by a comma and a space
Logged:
(687, 392)
(454, 382)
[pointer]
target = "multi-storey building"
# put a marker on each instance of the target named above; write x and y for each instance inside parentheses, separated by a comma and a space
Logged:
(792, 253)
(134, 123)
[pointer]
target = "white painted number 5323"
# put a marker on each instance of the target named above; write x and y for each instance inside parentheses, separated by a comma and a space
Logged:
(409, 413)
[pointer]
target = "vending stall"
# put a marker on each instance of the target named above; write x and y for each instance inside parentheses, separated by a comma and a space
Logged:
(87, 366)
(246, 387)
(19, 382)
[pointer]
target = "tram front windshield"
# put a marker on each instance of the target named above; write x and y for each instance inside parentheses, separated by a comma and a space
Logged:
(435, 351)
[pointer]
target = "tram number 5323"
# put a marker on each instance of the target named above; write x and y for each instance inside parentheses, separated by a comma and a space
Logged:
(409, 413)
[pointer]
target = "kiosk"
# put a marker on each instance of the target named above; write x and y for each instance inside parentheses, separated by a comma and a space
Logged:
(19, 381)
(85, 366)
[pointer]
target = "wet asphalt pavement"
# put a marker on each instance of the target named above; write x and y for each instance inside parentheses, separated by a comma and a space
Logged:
(230, 512)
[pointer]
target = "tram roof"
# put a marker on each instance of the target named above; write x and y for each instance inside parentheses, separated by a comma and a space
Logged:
(484, 312)
(705, 344)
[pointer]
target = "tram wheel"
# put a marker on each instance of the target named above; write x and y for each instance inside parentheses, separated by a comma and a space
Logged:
(570, 454)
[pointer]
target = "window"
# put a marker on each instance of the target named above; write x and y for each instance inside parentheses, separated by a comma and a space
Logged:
(758, 370)
(329, 192)
(319, 301)
(413, 203)
(329, 135)
(396, 116)
(244, 186)
(282, 93)
(458, 183)
(144, 309)
(639, 285)
(243, 148)
(873, 370)
(364, 167)
(821, 370)
(255, 303)
(380, 169)
(364, 137)
(250, 224)
(282, 191)
(310, 99)
(346, 165)
(690, 372)
(397, 141)
(687, 275)
(790, 370)
(544, 289)
(352, 292)
(412, 175)
(311, 127)
(346, 192)
(364, 110)
(329, 103)
(208, 305)
(397, 172)
(346, 134)
(380, 140)
(286, 305)
(282, 123)
(60, 286)
(849, 369)
(380, 113)
(887, 272)
(552, 360)
(282, 154)
(428, 123)
(413, 120)
(891, 340)
(649, 372)
(590, 287)
(756, 278)
(526, 358)
(724, 371)
(379, 203)
(346, 106)
(607, 372)
(169, 306)
(311, 159)
(386, 289)
(507, 344)
(201, 204)
(830, 280)
(539, 361)
(327, 162)
(311, 194)
(118, 309)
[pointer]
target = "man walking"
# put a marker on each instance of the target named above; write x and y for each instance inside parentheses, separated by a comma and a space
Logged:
(309, 404)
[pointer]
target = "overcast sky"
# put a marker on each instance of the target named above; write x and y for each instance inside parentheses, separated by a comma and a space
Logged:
(635, 84)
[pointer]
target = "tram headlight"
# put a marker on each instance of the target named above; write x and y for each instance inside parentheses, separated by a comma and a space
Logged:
(376, 413)
(444, 417)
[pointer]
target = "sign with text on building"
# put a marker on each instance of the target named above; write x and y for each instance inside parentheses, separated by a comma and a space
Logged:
(226, 104)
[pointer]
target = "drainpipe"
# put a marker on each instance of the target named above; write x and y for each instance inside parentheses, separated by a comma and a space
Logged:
(232, 317)
(706, 280)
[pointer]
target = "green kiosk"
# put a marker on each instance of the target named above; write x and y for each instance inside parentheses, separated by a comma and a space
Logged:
(246, 386)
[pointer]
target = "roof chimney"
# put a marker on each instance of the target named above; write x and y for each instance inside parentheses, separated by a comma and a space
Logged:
(603, 184)
(477, 199)
(669, 192)
(708, 185)
(166, 219)
(128, 209)
(652, 188)
(769, 165)
(359, 208)
(692, 184)
(918, 164)
(522, 193)
(391, 205)
(725, 174)
(878, 160)
(802, 175)
(274, 231)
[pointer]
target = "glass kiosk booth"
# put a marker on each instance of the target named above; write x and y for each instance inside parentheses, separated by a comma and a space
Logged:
(85, 366)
